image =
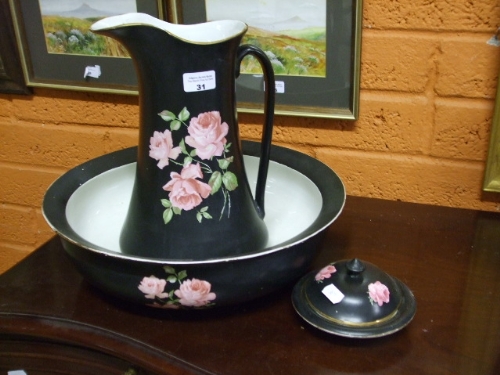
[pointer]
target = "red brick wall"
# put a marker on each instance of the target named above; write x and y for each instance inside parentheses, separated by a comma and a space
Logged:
(428, 82)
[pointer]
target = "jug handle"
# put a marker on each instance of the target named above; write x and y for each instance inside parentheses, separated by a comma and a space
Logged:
(267, 132)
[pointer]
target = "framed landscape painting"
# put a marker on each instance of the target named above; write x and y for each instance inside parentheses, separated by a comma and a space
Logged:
(59, 51)
(492, 173)
(314, 48)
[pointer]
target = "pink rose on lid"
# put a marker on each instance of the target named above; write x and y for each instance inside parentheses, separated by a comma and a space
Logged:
(162, 149)
(195, 292)
(186, 192)
(207, 134)
(378, 293)
(325, 273)
(153, 287)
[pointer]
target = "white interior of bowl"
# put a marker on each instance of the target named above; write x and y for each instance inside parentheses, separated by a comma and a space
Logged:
(97, 209)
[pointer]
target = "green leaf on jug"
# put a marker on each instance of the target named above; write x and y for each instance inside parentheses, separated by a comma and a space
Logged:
(230, 181)
(167, 115)
(193, 153)
(182, 275)
(177, 210)
(184, 114)
(187, 161)
(172, 279)
(166, 203)
(170, 270)
(206, 215)
(167, 215)
(215, 182)
(224, 163)
(175, 125)
(182, 145)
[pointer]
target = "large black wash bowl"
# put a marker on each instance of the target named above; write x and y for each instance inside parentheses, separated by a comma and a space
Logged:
(179, 283)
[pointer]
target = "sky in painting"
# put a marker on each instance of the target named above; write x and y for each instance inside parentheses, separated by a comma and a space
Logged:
(111, 6)
(271, 15)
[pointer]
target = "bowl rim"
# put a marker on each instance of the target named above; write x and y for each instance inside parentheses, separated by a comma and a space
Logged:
(329, 184)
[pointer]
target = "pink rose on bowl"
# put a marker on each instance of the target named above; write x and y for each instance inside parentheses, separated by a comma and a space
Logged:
(207, 134)
(153, 287)
(162, 149)
(378, 293)
(325, 273)
(195, 292)
(186, 192)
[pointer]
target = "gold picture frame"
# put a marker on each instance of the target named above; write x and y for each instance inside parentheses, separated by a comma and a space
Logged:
(492, 173)
(66, 71)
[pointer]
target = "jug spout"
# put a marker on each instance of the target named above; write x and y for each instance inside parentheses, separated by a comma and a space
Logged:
(204, 33)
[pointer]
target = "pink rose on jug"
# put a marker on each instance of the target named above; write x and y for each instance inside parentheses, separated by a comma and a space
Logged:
(186, 192)
(378, 293)
(162, 149)
(207, 134)
(153, 287)
(195, 292)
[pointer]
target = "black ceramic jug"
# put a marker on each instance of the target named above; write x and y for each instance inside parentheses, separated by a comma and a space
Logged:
(191, 198)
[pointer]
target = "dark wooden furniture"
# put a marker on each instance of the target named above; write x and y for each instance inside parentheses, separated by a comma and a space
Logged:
(51, 320)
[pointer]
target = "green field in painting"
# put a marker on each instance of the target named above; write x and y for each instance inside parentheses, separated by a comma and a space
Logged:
(301, 52)
(72, 36)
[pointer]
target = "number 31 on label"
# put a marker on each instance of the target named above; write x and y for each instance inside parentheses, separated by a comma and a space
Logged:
(199, 81)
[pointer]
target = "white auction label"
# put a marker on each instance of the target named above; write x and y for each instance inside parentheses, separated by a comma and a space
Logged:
(333, 293)
(199, 81)
(92, 71)
(279, 87)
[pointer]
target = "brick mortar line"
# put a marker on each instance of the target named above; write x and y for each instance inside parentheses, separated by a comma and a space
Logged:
(430, 93)
(16, 245)
(398, 95)
(428, 34)
(34, 168)
(396, 156)
(18, 207)
(69, 126)
(461, 100)
(421, 94)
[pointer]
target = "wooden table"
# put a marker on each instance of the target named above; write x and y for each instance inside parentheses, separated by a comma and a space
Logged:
(51, 320)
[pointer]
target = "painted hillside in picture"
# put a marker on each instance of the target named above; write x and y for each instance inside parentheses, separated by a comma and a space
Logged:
(66, 25)
(292, 33)
(300, 53)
